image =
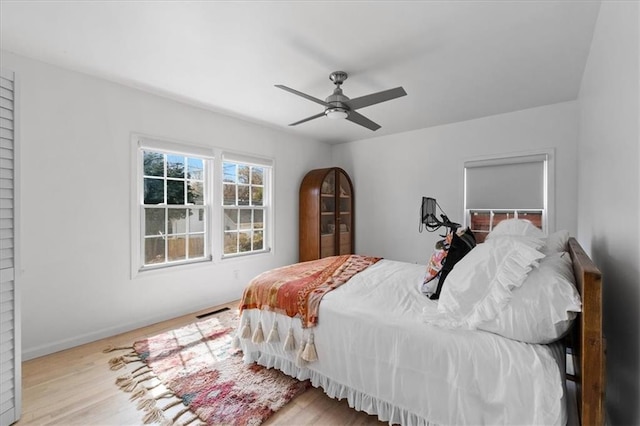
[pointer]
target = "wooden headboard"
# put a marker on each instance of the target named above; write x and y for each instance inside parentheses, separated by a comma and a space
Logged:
(587, 340)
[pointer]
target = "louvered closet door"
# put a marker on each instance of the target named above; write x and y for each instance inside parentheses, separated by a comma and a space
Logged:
(9, 326)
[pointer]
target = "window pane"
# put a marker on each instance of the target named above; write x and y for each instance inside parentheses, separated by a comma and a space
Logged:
(244, 240)
(245, 219)
(154, 221)
(177, 221)
(258, 219)
(500, 216)
(257, 176)
(175, 166)
(230, 242)
(243, 174)
(229, 172)
(243, 195)
(175, 192)
(196, 220)
(153, 164)
(256, 196)
(153, 191)
(177, 248)
(230, 219)
(533, 217)
(196, 246)
(195, 193)
(229, 196)
(480, 221)
(244, 225)
(154, 250)
(195, 168)
(258, 243)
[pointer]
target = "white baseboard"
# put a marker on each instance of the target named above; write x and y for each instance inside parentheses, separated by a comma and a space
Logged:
(49, 348)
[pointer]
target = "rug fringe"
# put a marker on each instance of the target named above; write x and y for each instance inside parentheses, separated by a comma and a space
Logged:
(112, 348)
(179, 414)
(154, 415)
(146, 404)
(140, 393)
(121, 361)
(129, 382)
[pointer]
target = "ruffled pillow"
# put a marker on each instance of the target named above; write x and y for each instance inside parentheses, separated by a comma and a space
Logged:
(480, 285)
(517, 227)
(544, 307)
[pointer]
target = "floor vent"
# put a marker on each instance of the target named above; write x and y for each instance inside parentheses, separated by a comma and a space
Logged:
(211, 313)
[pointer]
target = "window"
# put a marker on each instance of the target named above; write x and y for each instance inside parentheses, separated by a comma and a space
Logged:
(507, 187)
(244, 206)
(174, 213)
(195, 204)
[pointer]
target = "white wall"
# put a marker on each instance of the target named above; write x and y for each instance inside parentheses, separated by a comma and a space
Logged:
(75, 137)
(608, 214)
(392, 173)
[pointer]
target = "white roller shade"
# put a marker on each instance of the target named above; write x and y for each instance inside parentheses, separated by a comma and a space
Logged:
(247, 159)
(506, 183)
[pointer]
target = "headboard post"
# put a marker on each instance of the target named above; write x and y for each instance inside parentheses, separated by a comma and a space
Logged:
(587, 339)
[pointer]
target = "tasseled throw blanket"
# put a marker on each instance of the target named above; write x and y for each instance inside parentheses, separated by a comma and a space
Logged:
(296, 290)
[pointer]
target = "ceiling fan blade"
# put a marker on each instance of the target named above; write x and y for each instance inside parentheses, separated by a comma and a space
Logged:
(376, 98)
(360, 119)
(304, 95)
(307, 119)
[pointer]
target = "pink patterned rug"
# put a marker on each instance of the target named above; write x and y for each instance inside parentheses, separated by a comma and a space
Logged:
(193, 374)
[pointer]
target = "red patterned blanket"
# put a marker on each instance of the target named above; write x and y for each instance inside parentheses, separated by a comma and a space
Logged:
(296, 290)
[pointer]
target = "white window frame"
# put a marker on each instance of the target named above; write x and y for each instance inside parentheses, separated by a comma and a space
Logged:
(548, 210)
(266, 207)
(214, 241)
(144, 143)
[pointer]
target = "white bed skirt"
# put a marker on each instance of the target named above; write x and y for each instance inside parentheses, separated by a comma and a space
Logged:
(385, 411)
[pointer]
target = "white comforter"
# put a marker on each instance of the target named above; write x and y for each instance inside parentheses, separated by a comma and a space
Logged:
(375, 350)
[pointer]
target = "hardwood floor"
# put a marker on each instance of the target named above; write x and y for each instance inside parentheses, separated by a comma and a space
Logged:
(76, 387)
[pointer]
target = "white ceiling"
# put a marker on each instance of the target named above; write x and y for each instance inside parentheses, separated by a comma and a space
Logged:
(457, 60)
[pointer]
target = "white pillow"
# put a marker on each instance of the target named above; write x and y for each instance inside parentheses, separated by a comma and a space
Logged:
(556, 242)
(480, 284)
(521, 227)
(543, 308)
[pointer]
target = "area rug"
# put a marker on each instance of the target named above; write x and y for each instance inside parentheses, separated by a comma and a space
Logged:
(193, 375)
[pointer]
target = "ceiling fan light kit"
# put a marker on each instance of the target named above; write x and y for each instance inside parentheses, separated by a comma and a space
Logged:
(339, 106)
(336, 113)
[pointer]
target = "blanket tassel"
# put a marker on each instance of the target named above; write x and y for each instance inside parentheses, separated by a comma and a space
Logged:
(274, 336)
(235, 343)
(258, 335)
(246, 329)
(300, 361)
(290, 341)
(309, 354)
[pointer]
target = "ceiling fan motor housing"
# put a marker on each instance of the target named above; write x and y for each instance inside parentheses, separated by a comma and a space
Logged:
(337, 100)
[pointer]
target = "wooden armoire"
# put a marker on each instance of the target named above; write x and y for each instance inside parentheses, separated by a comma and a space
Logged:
(326, 214)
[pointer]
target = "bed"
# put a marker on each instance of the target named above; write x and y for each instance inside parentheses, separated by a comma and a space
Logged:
(370, 340)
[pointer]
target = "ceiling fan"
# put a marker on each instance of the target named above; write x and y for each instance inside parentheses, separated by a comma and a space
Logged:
(338, 105)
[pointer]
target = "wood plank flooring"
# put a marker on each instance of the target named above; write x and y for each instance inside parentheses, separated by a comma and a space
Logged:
(76, 387)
